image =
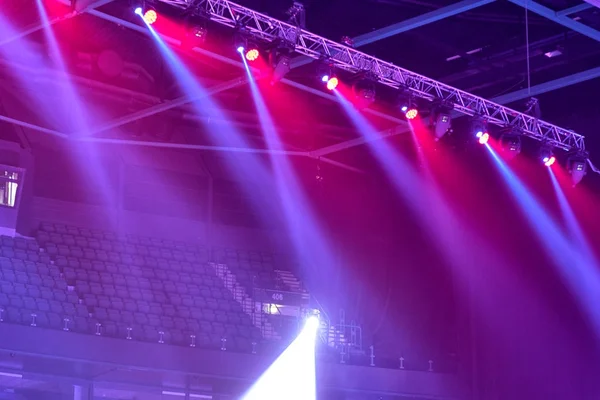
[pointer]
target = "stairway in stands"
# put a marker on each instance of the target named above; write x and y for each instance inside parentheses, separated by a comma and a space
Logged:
(248, 305)
(289, 280)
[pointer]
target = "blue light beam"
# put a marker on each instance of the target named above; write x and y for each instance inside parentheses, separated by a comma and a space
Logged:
(303, 225)
(573, 266)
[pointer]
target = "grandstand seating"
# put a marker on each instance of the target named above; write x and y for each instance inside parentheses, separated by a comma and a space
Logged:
(137, 288)
(147, 289)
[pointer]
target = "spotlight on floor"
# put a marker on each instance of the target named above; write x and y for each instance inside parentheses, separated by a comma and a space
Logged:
(312, 324)
(364, 92)
(547, 156)
(511, 144)
(577, 167)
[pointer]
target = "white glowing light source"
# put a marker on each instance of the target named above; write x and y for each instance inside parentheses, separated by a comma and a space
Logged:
(292, 375)
(138, 11)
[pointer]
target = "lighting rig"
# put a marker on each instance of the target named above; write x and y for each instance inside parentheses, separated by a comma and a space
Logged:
(440, 120)
(344, 56)
(510, 141)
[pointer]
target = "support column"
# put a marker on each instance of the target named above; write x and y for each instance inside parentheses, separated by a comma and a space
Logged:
(83, 392)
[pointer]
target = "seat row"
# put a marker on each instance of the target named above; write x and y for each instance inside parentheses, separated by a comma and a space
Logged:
(44, 269)
(122, 257)
(24, 255)
(172, 269)
(124, 292)
(72, 232)
(18, 243)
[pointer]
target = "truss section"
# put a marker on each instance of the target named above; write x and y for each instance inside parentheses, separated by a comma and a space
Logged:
(270, 29)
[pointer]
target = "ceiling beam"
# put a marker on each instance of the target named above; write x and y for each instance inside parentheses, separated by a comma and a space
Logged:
(398, 130)
(595, 3)
(33, 126)
(52, 21)
(548, 86)
(559, 18)
(418, 21)
(162, 107)
(504, 99)
(575, 9)
(406, 25)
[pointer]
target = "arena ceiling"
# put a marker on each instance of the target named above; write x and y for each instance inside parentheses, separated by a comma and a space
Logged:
(484, 47)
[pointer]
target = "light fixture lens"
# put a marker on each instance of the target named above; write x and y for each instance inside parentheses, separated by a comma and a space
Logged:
(150, 17)
(412, 113)
(252, 54)
(332, 83)
(549, 161)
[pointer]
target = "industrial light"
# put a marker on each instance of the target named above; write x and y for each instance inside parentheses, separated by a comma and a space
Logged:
(511, 145)
(549, 161)
(411, 113)
(480, 130)
(252, 54)
(547, 156)
(280, 60)
(441, 121)
(364, 92)
(407, 105)
(149, 15)
(195, 35)
(577, 167)
(482, 136)
(332, 82)
(326, 73)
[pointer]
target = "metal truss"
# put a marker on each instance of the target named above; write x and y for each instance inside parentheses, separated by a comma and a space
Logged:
(270, 29)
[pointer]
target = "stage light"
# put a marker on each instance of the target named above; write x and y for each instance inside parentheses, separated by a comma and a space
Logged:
(411, 113)
(195, 34)
(511, 145)
(324, 78)
(282, 67)
(332, 83)
(240, 49)
(139, 11)
(280, 60)
(549, 161)
(312, 324)
(252, 54)
(577, 167)
(364, 91)
(483, 137)
(547, 156)
(441, 121)
(404, 109)
(150, 16)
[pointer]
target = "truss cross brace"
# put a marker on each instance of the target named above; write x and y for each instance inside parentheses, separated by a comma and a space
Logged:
(306, 43)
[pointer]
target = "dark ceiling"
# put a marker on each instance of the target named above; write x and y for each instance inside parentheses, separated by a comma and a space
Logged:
(484, 51)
